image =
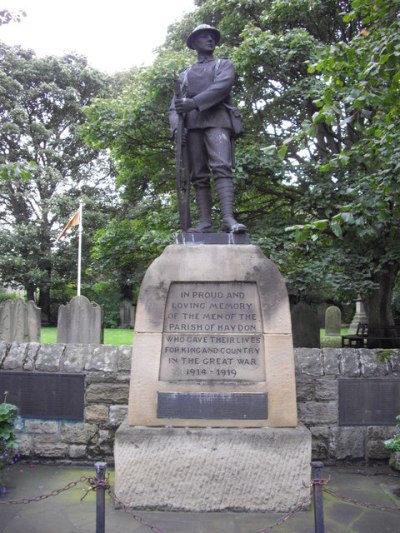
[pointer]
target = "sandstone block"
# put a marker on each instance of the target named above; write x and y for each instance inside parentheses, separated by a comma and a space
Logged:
(326, 389)
(107, 393)
(15, 357)
(96, 413)
(309, 361)
(4, 347)
(49, 357)
(305, 388)
(124, 358)
(317, 413)
(77, 451)
(370, 366)
(350, 363)
(75, 357)
(394, 363)
(78, 433)
(347, 443)
(103, 359)
(41, 426)
(117, 414)
(188, 469)
(57, 451)
(31, 355)
(331, 361)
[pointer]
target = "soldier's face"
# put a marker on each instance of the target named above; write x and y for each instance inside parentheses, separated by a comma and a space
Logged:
(204, 42)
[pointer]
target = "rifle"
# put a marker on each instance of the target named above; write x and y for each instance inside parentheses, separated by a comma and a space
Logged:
(182, 169)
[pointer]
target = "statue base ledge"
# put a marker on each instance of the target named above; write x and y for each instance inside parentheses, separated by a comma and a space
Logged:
(190, 239)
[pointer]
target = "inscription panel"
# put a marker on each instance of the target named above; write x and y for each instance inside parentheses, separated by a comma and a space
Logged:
(41, 395)
(212, 332)
(212, 406)
(368, 402)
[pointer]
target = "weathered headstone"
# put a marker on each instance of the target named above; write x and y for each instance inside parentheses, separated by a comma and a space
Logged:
(19, 321)
(333, 321)
(360, 316)
(127, 314)
(213, 350)
(305, 326)
(80, 321)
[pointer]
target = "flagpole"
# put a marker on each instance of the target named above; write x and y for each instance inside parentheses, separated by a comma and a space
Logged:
(79, 249)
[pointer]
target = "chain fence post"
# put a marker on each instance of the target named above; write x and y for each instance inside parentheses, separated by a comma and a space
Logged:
(319, 525)
(100, 497)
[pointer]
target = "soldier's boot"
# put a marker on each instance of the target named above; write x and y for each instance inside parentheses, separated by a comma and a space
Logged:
(225, 195)
(204, 205)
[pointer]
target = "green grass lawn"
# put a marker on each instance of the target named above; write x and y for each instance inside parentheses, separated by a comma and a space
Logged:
(111, 336)
(332, 342)
(125, 336)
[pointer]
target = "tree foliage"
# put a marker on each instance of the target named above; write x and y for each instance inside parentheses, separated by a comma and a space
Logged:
(317, 85)
(45, 166)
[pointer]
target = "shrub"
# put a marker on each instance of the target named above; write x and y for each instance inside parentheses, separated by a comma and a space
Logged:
(393, 444)
(8, 445)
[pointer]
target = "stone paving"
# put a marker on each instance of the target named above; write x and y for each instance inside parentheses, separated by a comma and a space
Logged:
(67, 513)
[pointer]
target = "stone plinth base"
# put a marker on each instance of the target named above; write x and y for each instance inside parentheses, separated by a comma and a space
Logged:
(212, 469)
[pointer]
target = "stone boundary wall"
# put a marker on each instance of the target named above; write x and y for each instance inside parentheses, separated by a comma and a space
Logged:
(107, 370)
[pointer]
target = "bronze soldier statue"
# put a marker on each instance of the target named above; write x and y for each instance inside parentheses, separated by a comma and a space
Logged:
(205, 103)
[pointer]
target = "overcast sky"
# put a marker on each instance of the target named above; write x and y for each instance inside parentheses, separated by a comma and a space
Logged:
(113, 35)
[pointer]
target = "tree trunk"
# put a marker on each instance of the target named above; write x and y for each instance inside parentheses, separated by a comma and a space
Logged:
(378, 302)
(30, 292)
(44, 304)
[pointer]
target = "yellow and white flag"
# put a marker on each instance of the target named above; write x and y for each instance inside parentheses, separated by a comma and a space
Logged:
(73, 221)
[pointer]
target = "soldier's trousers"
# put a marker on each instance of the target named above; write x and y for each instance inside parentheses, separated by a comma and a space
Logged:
(210, 153)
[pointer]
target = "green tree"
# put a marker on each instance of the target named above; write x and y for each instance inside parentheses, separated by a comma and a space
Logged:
(359, 102)
(45, 166)
(270, 43)
(317, 85)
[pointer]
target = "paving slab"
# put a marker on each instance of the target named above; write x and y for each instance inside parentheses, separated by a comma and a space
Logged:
(67, 512)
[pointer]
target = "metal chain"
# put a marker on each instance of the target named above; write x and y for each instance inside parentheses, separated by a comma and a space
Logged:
(362, 504)
(130, 511)
(55, 492)
(304, 503)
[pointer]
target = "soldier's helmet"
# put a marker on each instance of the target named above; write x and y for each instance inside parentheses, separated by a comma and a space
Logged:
(203, 27)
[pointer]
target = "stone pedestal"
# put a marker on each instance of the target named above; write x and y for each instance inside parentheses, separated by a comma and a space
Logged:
(212, 417)
(212, 469)
(213, 343)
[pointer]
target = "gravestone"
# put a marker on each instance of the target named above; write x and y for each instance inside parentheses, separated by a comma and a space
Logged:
(127, 315)
(305, 326)
(80, 322)
(360, 316)
(333, 321)
(213, 351)
(19, 321)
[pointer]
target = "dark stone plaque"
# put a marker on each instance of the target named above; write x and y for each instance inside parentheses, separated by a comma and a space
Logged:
(212, 238)
(42, 395)
(369, 402)
(212, 405)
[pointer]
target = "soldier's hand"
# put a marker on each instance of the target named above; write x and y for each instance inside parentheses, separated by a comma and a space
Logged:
(183, 105)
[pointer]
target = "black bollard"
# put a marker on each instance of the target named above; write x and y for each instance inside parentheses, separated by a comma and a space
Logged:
(318, 497)
(100, 497)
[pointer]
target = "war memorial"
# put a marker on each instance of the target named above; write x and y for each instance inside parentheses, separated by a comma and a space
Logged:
(212, 416)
